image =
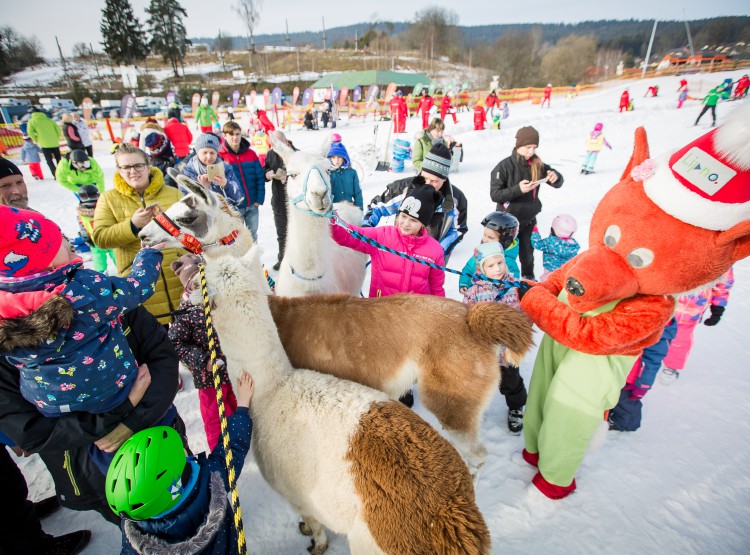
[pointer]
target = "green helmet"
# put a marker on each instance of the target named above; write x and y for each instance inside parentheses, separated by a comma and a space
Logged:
(143, 479)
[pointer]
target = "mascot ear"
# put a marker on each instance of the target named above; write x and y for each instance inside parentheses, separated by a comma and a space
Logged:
(740, 235)
(640, 152)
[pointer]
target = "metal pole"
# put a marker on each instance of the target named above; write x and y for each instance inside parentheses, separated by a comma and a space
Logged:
(690, 38)
(648, 52)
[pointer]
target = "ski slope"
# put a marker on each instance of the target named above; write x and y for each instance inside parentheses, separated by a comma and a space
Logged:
(677, 486)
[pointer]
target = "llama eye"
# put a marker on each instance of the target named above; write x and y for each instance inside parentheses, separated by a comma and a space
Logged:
(186, 220)
(292, 175)
(640, 258)
(612, 236)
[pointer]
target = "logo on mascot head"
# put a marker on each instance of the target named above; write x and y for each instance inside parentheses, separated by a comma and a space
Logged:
(703, 171)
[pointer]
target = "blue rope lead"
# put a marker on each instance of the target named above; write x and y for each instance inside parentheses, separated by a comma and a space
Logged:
(507, 285)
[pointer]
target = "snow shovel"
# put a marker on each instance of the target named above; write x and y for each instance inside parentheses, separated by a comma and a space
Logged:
(383, 165)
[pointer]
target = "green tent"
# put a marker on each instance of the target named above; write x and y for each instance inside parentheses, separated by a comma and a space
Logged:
(351, 79)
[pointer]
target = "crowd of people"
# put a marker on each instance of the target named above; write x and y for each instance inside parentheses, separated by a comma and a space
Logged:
(89, 355)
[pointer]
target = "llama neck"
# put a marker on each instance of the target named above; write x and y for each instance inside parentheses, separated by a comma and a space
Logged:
(306, 243)
(238, 248)
(250, 340)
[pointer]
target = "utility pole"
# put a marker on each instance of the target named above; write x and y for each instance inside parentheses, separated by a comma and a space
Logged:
(648, 52)
(356, 41)
(65, 66)
(324, 32)
(288, 40)
(96, 66)
(690, 38)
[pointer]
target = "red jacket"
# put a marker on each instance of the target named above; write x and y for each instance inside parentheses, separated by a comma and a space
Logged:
(480, 118)
(547, 92)
(445, 104)
(624, 99)
(491, 101)
(265, 122)
(425, 104)
(180, 136)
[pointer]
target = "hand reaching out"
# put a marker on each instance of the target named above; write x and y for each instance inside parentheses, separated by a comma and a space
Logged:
(245, 390)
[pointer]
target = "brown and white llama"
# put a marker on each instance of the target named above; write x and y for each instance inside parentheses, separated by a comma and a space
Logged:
(449, 349)
(313, 263)
(344, 455)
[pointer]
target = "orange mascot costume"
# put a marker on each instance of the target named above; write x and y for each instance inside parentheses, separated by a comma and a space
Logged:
(670, 225)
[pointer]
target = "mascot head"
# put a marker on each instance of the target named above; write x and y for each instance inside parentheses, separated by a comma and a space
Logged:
(672, 224)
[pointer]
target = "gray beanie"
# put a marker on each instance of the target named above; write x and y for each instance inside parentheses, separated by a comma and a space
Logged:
(437, 161)
(206, 140)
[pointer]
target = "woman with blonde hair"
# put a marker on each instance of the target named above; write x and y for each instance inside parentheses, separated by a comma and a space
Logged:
(430, 136)
(138, 195)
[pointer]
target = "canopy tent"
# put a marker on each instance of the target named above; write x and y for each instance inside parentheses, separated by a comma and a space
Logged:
(351, 79)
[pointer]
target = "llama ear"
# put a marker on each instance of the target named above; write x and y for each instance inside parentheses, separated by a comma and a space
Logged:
(640, 152)
(196, 188)
(252, 256)
(325, 147)
(281, 148)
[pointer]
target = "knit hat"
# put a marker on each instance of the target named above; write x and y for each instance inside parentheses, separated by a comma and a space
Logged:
(487, 250)
(338, 149)
(154, 143)
(185, 268)
(28, 242)
(707, 182)
(437, 161)
(206, 140)
(598, 127)
(564, 226)
(8, 168)
(527, 136)
(420, 203)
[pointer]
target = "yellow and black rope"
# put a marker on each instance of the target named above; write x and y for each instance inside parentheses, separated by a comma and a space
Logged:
(229, 461)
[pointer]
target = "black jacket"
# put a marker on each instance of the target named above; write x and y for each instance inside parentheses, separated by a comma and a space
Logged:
(506, 192)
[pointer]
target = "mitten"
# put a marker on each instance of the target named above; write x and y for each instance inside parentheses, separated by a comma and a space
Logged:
(523, 288)
(716, 312)
(636, 393)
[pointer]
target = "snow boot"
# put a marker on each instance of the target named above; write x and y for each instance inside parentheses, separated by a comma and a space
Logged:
(551, 490)
(668, 375)
(46, 507)
(69, 544)
(515, 421)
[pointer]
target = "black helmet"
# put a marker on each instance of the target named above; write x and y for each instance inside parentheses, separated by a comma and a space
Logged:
(79, 160)
(505, 224)
(88, 193)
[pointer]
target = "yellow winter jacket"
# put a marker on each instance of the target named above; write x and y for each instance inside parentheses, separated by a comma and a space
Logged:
(112, 230)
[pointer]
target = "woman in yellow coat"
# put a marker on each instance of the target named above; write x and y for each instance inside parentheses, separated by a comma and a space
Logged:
(124, 210)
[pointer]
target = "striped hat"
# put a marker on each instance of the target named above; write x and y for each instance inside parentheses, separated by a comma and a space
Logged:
(437, 161)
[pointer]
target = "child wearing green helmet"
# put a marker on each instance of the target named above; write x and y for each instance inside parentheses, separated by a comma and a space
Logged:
(171, 503)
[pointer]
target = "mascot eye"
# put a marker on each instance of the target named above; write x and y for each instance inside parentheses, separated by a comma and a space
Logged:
(640, 258)
(612, 236)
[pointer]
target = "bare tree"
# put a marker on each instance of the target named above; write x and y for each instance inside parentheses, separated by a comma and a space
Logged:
(569, 60)
(434, 32)
(81, 51)
(221, 45)
(514, 57)
(249, 12)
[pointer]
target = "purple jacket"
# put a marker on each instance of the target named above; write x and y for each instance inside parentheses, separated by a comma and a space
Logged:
(392, 274)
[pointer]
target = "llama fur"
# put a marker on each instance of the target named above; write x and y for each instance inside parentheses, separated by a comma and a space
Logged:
(344, 455)
(387, 343)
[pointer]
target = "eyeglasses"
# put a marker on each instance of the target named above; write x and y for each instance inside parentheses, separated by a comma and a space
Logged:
(138, 168)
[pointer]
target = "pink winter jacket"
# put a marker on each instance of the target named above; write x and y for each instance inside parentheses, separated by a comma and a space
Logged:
(692, 307)
(392, 274)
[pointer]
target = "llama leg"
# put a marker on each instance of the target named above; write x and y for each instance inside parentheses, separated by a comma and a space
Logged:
(311, 527)
(471, 449)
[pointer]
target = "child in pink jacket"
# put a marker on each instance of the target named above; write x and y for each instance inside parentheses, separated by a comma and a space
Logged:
(689, 313)
(391, 273)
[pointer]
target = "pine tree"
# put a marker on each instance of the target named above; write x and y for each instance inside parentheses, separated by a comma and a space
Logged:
(123, 39)
(167, 30)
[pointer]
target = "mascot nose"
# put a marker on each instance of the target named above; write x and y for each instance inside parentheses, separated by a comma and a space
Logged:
(574, 287)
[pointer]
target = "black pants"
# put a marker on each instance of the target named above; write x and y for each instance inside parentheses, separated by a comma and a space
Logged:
(525, 250)
(705, 109)
(278, 203)
(20, 529)
(90, 151)
(49, 154)
(512, 387)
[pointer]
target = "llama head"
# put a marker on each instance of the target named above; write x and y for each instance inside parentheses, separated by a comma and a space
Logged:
(200, 213)
(308, 186)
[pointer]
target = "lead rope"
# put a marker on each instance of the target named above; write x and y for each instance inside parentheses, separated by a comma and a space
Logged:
(228, 458)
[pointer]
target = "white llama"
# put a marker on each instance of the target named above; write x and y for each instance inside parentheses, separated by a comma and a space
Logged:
(313, 263)
(384, 343)
(344, 455)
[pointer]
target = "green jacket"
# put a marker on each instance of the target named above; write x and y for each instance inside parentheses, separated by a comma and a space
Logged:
(205, 115)
(72, 179)
(421, 147)
(712, 98)
(43, 131)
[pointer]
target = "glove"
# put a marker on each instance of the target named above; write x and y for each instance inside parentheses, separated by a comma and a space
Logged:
(636, 393)
(523, 288)
(716, 312)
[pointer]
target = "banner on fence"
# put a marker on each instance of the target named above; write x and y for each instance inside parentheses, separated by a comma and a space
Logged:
(276, 96)
(87, 105)
(295, 95)
(171, 97)
(196, 100)
(266, 97)
(390, 90)
(215, 99)
(235, 98)
(127, 106)
(357, 94)
(372, 95)
(342, 96)
(307, 97)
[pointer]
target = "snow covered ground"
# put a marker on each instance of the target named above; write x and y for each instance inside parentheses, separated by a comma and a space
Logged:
(678, 485)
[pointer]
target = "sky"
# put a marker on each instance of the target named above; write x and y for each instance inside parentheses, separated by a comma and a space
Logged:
(79, 21)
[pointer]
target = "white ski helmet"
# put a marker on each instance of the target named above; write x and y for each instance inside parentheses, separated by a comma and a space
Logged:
(564, 226)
